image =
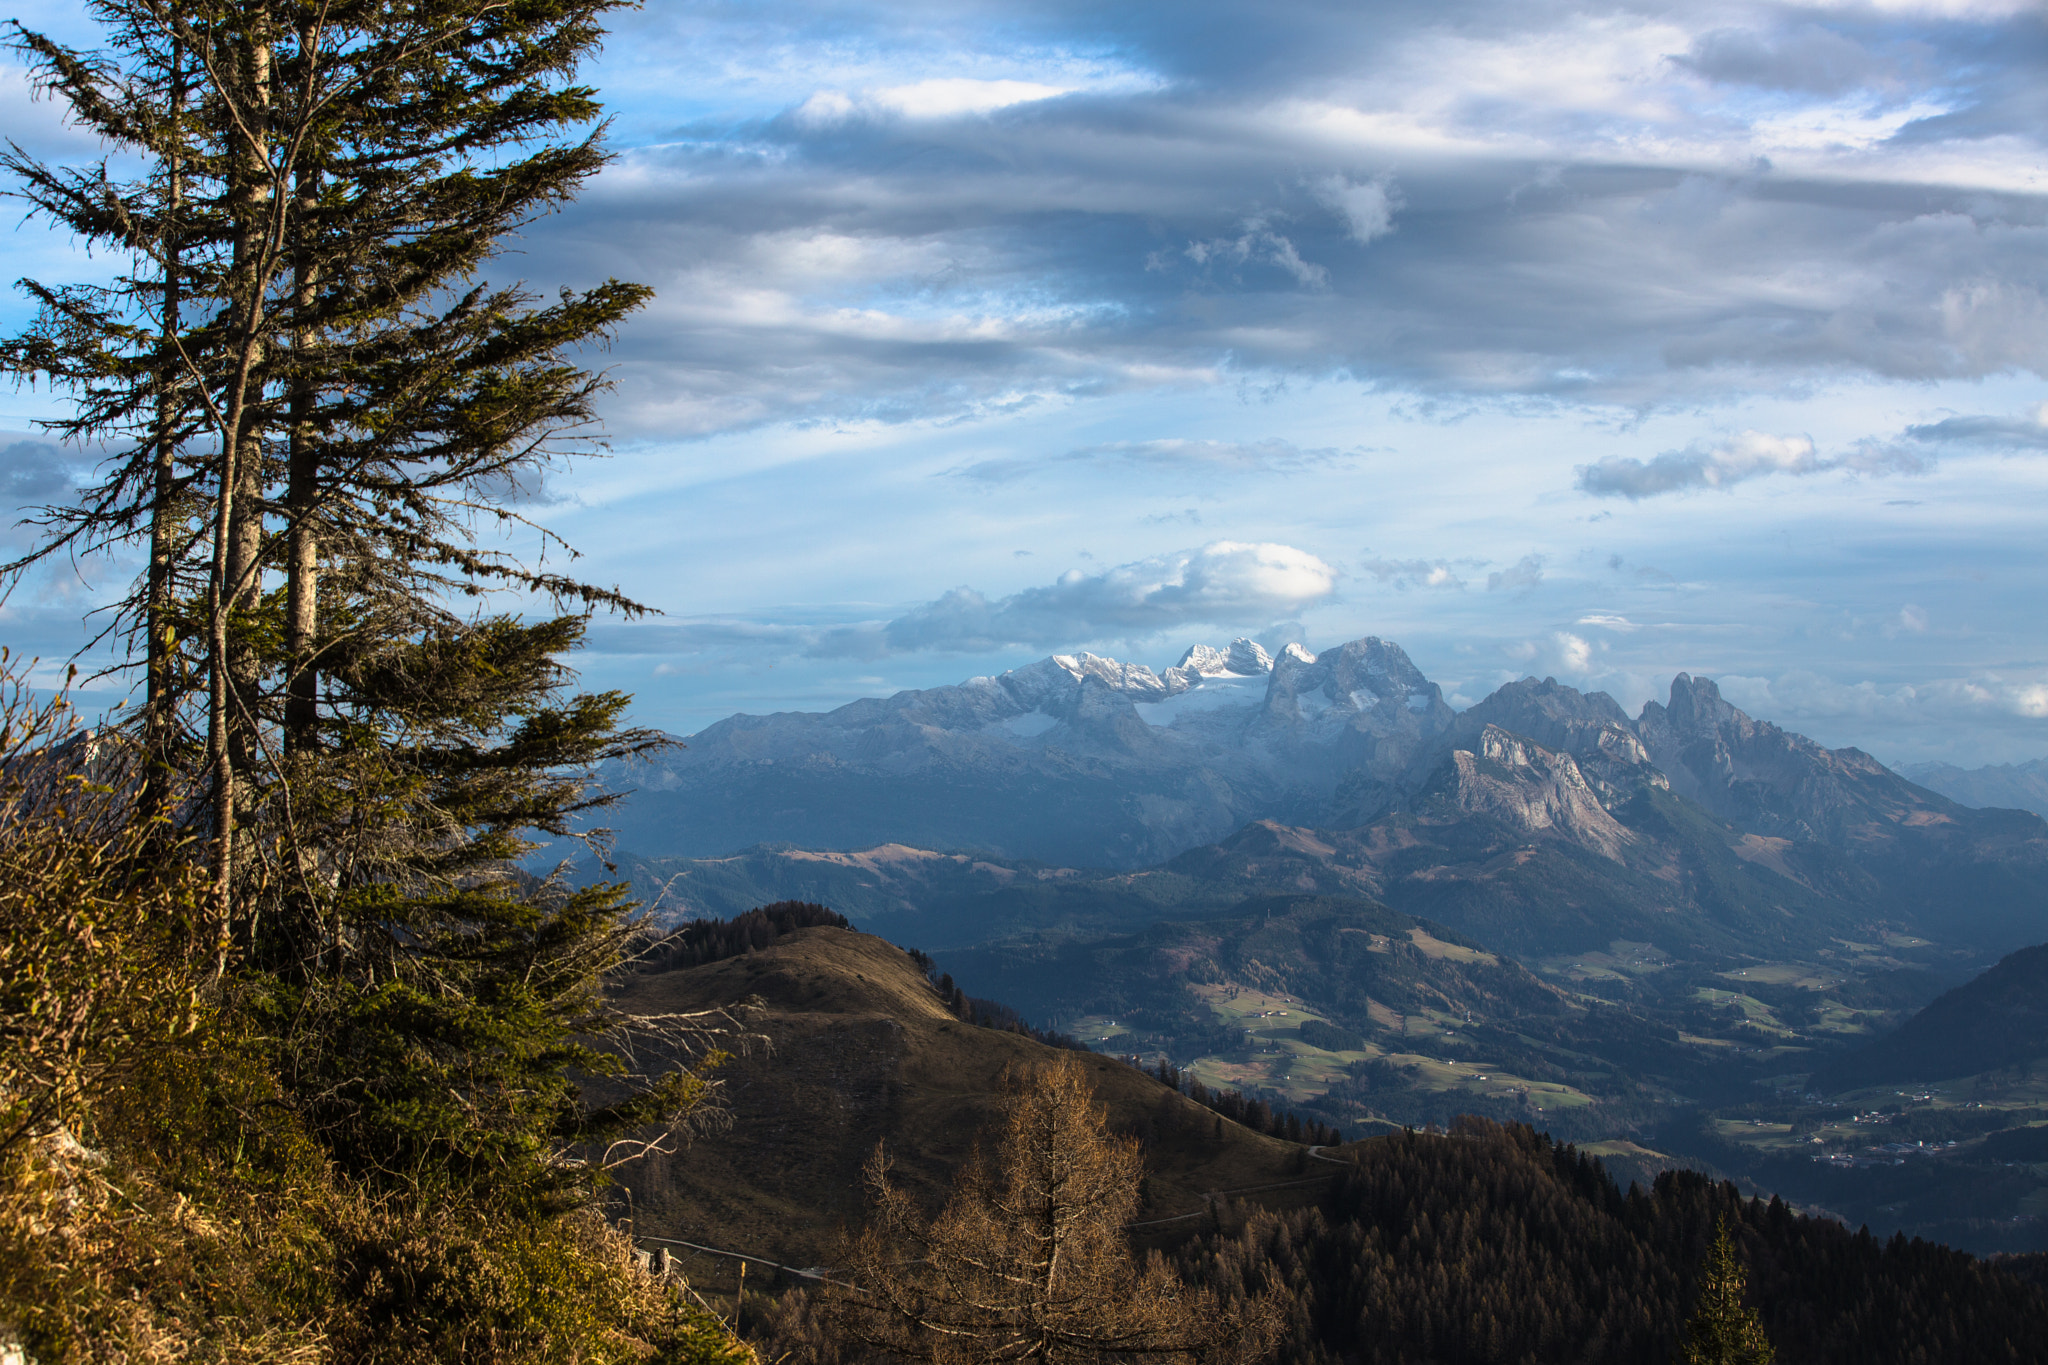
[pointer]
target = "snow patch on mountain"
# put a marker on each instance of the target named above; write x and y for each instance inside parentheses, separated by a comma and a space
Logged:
(1211, 694)
(1025, 725)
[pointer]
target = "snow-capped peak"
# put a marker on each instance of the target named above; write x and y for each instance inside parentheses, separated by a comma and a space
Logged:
(1243, 659)
(1133, 680)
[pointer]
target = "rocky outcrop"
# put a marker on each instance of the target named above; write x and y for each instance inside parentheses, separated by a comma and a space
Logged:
(1590, 726)
(1243, 659)
(1509, 778)
(1770, 781)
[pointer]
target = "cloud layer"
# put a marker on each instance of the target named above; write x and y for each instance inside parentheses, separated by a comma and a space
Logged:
(1596, 321)
(977, 206)
(1738, 459)
(1224, 582)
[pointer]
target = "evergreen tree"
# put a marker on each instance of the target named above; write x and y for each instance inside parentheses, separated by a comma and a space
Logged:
(1722, 1329)
(316, 411)
(314, 407)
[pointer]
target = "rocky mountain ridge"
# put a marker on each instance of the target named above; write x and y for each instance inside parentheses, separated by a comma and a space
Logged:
(1089, 761)
(1075, 758)
(1542, 818)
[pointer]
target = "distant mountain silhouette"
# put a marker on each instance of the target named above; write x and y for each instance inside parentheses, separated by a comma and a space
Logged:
(1996, 1021)
(2015, 786)
(1542, 819)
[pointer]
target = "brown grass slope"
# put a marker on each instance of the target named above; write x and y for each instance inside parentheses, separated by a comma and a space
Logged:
(860, 1049)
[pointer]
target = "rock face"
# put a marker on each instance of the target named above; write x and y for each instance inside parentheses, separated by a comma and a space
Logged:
(1089, 762)
(1542, 818)
(1523, 785)
(1590, 726)
(1772, 782)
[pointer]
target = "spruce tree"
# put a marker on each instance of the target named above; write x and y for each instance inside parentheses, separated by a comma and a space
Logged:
(1722, 1329)
(304, 336)
(318, 409)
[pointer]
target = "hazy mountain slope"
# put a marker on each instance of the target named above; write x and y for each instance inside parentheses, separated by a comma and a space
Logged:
(860, 1050)
(1996, 1021)
(1485, 850)
(1542, 819)
(1074, 759)
(2014, 786)
(917, 896)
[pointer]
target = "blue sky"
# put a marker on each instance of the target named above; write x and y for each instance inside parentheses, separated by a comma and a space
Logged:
(1595, 341)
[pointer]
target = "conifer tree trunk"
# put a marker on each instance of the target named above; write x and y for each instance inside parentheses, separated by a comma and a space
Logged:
(302, 498)
(159, 645)
(232, 741)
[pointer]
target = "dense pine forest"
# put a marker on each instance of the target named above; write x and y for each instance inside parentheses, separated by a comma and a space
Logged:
(1491, 1243)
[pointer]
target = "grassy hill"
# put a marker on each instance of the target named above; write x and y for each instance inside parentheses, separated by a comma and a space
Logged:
(859, 1048)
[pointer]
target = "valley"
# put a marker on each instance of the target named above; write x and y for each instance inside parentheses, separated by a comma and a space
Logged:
(1674, 937)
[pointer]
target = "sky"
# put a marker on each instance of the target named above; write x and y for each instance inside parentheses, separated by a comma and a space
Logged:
(1598, 341)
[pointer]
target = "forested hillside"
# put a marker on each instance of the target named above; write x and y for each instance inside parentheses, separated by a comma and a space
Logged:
(1494, 1244)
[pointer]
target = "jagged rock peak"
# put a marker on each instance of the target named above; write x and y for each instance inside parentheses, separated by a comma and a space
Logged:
(1249, 658)
(1511, 778)
(1590, 726)
(1697, 704)
(1553, 699)
(1361, 674)
(1133, 680)
(1244, 658)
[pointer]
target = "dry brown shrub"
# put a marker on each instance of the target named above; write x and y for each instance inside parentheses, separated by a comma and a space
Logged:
(1029, 1261)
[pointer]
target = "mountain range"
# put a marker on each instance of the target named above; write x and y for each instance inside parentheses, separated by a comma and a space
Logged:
(1684, 934)
(1074, 759)
(1083, 790)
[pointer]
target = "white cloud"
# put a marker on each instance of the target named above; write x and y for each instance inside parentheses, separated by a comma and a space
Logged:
(936, 98)
(1223, 583)
(947, 97)
(1523, 575)
(1804, 696)
(1559, 654)
(1258, 244)
(1367, 208)
(1701, 465)
(2027, 431)
(1414, 573)
(1737, 459)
